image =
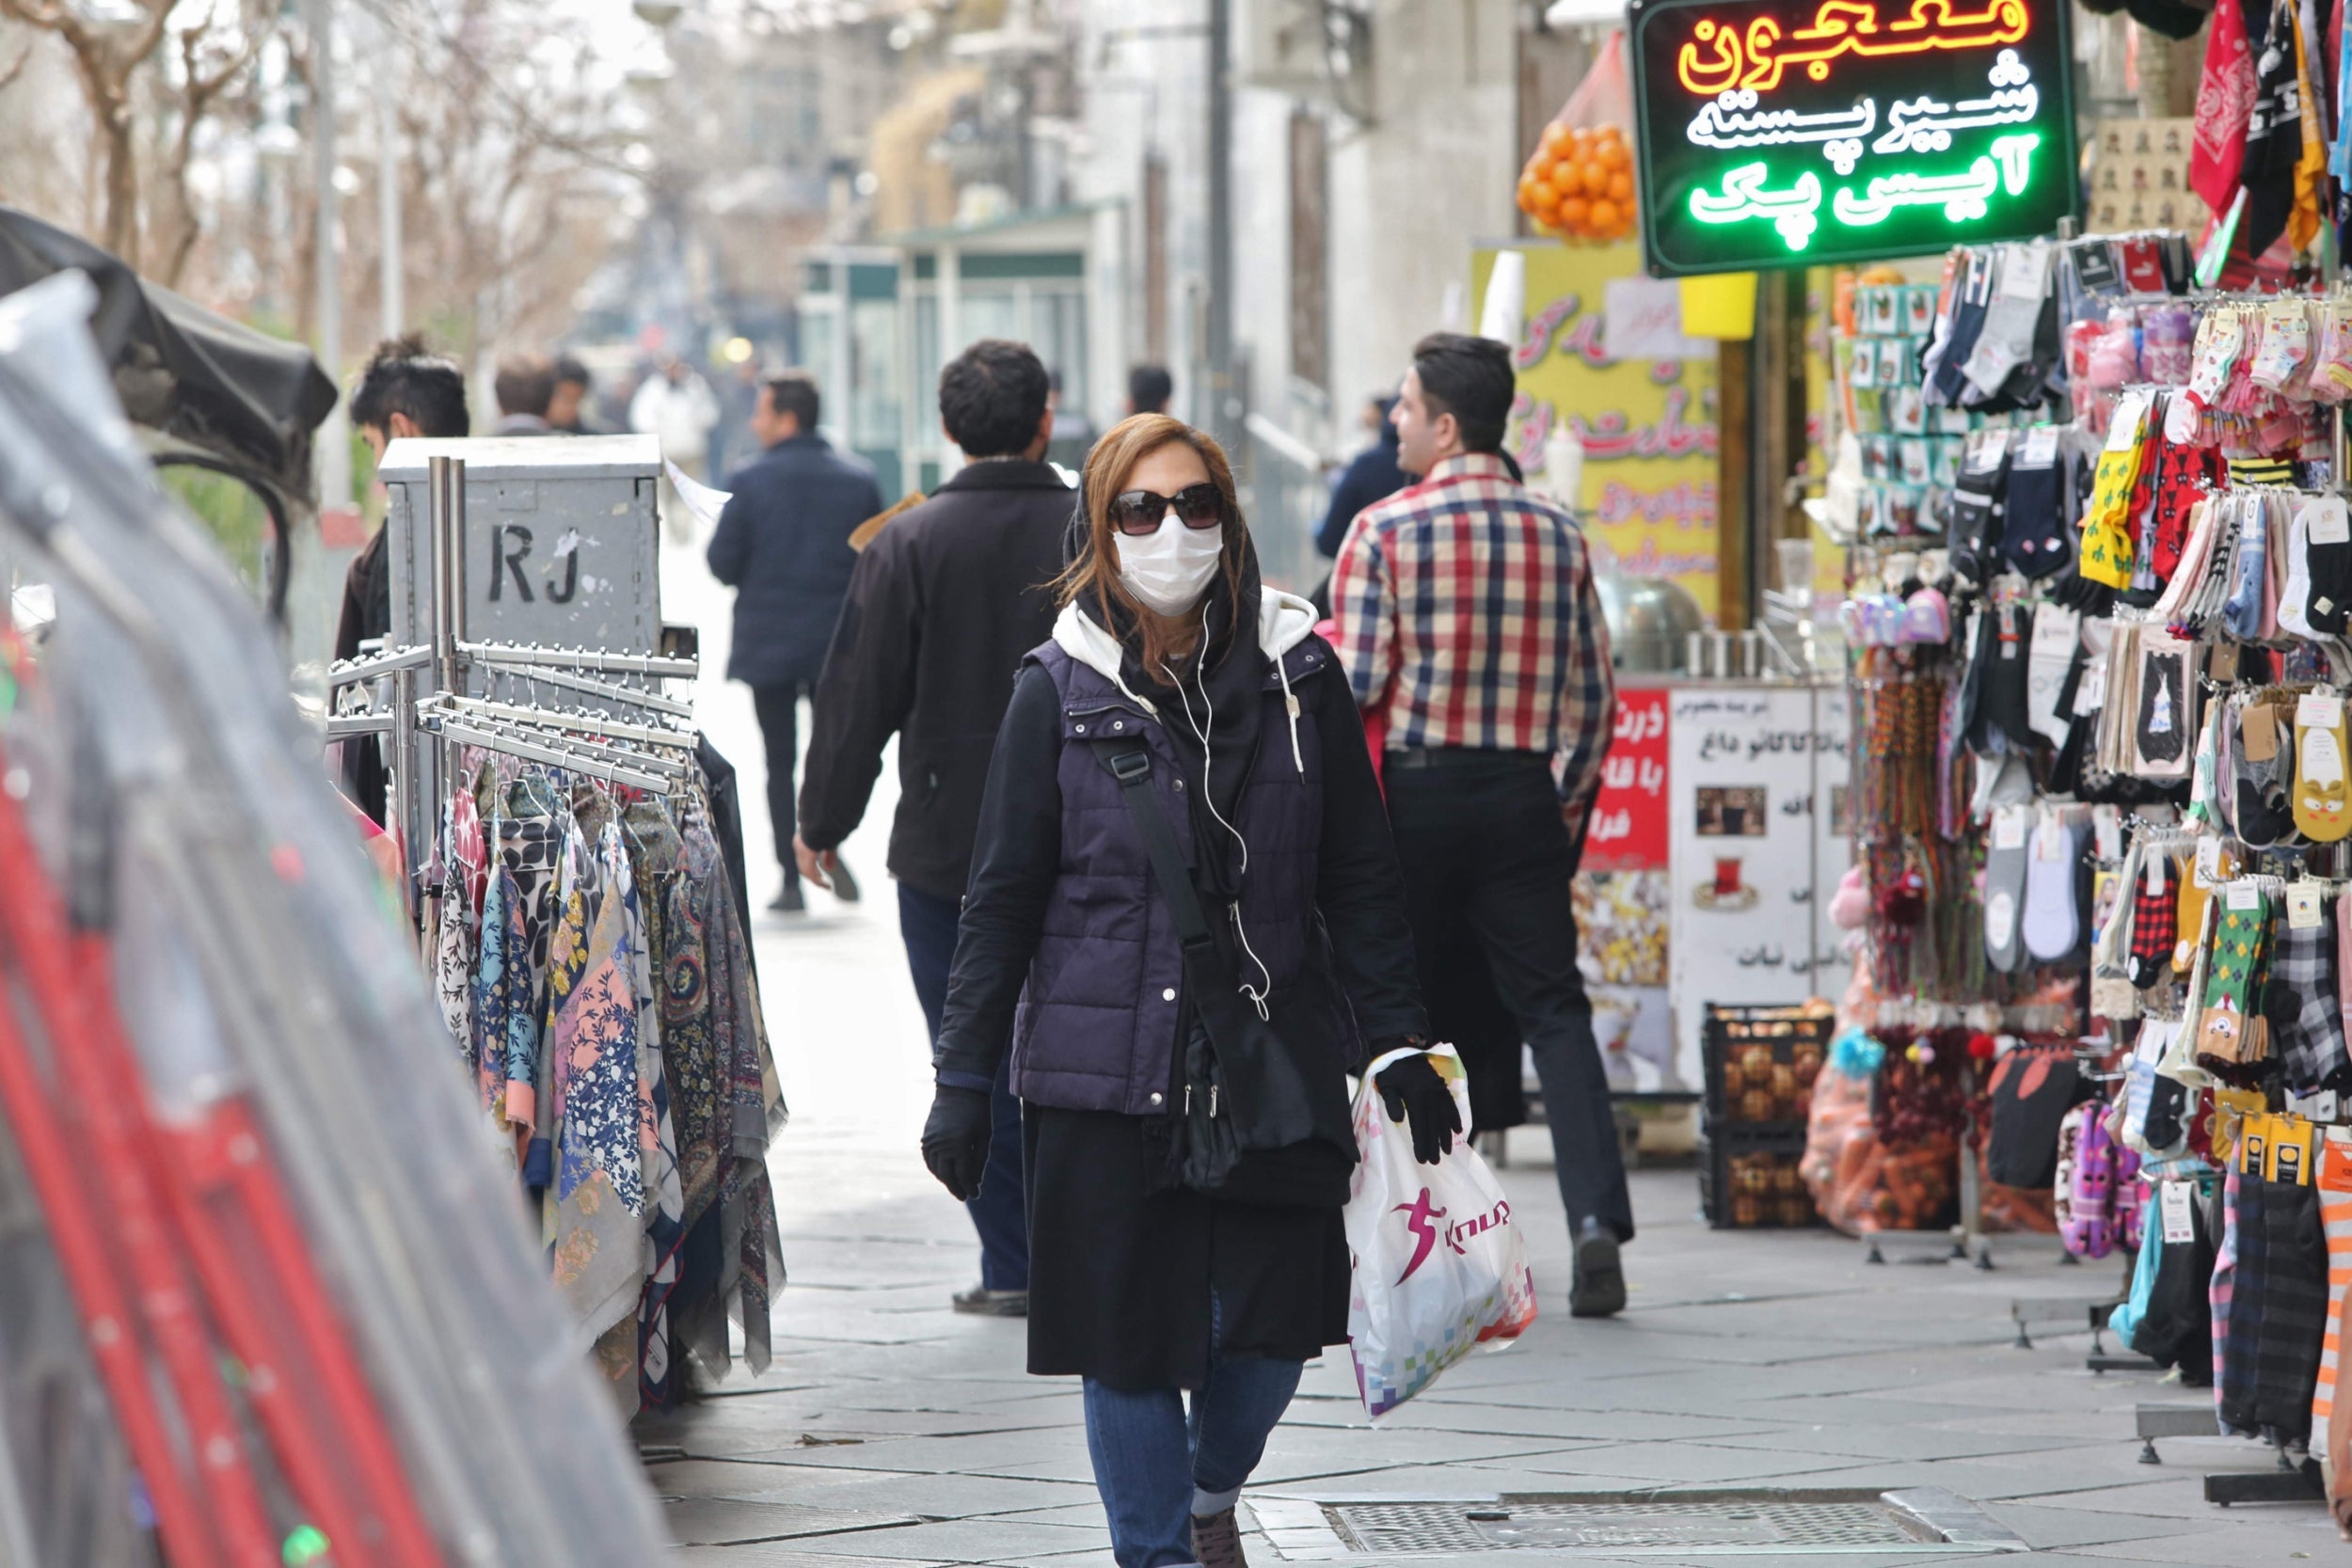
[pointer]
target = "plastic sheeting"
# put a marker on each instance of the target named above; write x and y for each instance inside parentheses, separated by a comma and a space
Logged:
(178, 803)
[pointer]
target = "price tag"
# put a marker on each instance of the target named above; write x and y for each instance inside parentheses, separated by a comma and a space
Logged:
(2208, 862)
(2330, 522)
(2242, 897)
(2303, 907)
(2160, 870)
(2316, 710)
(2091, 692)
(2009, 827)
(2106, 827)
(2130, 414)
(2040, 448)
(2179, 1223)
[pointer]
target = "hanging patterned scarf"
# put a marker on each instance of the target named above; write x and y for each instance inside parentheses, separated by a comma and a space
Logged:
(2274, 134)
(598, 1196)
(2225, 100)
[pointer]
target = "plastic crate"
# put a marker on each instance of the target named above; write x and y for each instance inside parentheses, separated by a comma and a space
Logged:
(1761, 1064)
(1751, 1181)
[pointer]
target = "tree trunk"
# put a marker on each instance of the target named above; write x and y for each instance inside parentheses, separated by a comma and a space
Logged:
(122, 176)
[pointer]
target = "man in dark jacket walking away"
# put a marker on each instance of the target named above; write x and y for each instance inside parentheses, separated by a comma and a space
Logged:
(946, 599)
(783, 545)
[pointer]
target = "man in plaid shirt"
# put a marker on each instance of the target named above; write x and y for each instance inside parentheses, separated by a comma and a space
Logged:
(1470, 628)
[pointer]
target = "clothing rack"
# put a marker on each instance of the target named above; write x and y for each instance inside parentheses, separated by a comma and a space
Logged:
(445, 713)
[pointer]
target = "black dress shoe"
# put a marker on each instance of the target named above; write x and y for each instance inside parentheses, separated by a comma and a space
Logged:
(981, 1302)
(1598, 1286)
(791, 901)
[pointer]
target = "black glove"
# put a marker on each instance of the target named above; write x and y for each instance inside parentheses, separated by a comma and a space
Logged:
(955, 1139)
(1411, 1085)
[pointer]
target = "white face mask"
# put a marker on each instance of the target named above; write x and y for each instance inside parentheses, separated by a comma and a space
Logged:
(1170, 568)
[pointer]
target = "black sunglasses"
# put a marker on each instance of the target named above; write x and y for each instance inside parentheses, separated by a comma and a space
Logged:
(1141, 511)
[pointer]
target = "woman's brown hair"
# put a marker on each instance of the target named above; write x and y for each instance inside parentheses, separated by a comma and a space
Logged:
(1095, 570)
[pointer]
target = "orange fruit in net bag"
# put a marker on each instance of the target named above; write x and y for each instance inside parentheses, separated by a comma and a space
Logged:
(1558, 138)
(1620, 188)
(1527, 193)
(1566, 178)
(1575, 211)
(1595, 177)
(1602, 216)
(1544, 195)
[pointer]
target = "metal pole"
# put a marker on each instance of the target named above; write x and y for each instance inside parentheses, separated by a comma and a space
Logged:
(334, 437)
(1220, 301)
(445, 489)
(841, 394)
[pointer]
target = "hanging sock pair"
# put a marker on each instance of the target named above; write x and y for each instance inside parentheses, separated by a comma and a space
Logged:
(2156, 906)
(2229, 1033)
(2322, 805)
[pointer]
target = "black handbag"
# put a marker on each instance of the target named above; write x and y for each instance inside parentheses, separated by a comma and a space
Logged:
(1244, 1095)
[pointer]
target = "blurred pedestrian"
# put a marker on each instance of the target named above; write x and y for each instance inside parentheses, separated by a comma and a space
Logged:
(783, 545)
(944, 603)
(677, 406)
(1149, 388)
(1073, 432)
(1177, 1240)
(1488, 841)
(567, 411)
(1372, 475)
(525, 388)
(731, 438)
(406, 390)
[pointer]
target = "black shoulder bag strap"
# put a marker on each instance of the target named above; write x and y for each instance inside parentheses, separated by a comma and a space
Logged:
(1131, 765)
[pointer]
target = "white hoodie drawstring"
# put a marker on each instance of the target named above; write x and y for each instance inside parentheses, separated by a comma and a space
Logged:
(1290, 705)
(1257, 995)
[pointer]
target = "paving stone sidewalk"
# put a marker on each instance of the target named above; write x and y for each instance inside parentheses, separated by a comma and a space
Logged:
(892, 1430)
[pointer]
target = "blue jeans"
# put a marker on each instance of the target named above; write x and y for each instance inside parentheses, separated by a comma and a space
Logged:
(1156, 1469)
(929, 925)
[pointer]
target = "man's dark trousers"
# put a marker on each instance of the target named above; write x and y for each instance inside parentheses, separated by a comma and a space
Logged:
(1483, 846)
(779, 710)
(928, 925)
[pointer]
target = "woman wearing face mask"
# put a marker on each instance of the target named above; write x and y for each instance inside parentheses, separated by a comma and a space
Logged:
(1180, 1042)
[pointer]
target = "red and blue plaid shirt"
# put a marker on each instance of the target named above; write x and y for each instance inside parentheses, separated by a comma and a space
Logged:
(1465, 604)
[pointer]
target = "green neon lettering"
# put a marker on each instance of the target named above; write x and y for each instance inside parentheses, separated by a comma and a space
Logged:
(1792, 213)
(1964, 197)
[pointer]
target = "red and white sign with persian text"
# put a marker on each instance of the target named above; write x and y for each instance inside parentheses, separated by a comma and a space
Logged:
(1627, 831)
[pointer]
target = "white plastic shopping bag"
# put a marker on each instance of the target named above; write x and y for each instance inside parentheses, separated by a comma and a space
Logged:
(1439, 1268)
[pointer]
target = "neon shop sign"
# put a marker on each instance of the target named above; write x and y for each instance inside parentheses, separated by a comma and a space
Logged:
(1792, 133)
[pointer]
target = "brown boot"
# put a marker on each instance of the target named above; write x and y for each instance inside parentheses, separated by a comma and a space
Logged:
(1216, 1541)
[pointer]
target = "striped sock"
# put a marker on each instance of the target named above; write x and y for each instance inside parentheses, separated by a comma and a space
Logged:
(2335, 1219)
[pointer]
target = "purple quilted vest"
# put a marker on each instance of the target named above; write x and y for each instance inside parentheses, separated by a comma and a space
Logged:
(1097, 1022)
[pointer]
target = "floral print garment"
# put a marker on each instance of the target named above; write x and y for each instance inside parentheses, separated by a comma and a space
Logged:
(656, 853)
(528, 845)
(689, 1023)
(454, 948)
(598, 1201)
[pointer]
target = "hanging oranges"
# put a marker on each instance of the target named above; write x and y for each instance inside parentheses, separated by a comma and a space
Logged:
(1578, 182)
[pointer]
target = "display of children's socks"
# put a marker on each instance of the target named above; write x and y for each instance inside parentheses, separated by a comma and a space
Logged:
(2129, 759)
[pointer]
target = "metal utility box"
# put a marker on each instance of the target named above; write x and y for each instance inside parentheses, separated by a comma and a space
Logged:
(562, 540)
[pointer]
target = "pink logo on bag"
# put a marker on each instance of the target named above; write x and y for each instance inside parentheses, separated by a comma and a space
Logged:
(1418, 1216)
(1456, 1234)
